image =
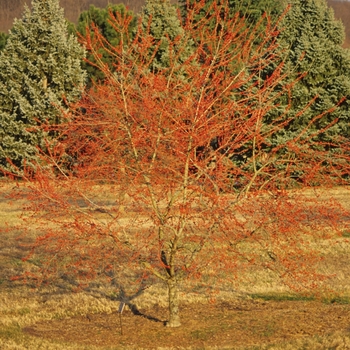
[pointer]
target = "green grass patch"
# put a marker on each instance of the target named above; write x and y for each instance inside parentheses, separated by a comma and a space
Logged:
(343, 300)
(346, 234)
(333, 299)
(200, 335)
(13, 332)
(23, 311)
(281, 297)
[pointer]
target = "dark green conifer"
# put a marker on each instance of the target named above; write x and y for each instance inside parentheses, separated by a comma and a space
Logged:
(3, 39)
(100, 17)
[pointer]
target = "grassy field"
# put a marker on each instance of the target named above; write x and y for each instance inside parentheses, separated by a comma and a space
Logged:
(261, 314)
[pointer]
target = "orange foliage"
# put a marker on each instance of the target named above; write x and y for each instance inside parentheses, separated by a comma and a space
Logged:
(145, 182)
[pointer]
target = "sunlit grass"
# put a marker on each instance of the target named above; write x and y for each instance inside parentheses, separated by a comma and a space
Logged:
(23, 305)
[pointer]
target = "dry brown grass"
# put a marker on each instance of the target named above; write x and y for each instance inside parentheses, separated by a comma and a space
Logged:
(22, 306)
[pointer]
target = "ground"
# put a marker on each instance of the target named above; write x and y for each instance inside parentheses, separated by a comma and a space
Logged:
(221, 325)
(261, 314)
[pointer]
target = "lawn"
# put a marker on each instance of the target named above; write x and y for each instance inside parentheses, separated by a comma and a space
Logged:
(261, 314)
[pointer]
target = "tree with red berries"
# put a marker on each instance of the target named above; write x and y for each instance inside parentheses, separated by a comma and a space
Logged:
(150, 178)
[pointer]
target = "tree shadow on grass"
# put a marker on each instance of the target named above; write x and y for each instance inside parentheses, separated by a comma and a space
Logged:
(125, 299)
(14, 246)
(135, 311)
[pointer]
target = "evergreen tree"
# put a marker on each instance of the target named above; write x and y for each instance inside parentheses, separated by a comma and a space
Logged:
(162, 24)
(40, 74)
(3, 39)
(101, 19)
(313, 61)
(252, 10)
(310, 49)
(311, 40)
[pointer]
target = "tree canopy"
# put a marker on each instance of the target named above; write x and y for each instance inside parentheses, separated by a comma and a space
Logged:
(311, 40)
(154, 196)
(101, 19)
(161, 23)
(40, 75)
(3, 39)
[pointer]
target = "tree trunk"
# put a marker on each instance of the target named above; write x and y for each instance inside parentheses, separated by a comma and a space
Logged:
(174, 316)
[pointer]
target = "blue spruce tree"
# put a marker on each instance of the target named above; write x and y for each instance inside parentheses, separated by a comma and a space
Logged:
(40, 74)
